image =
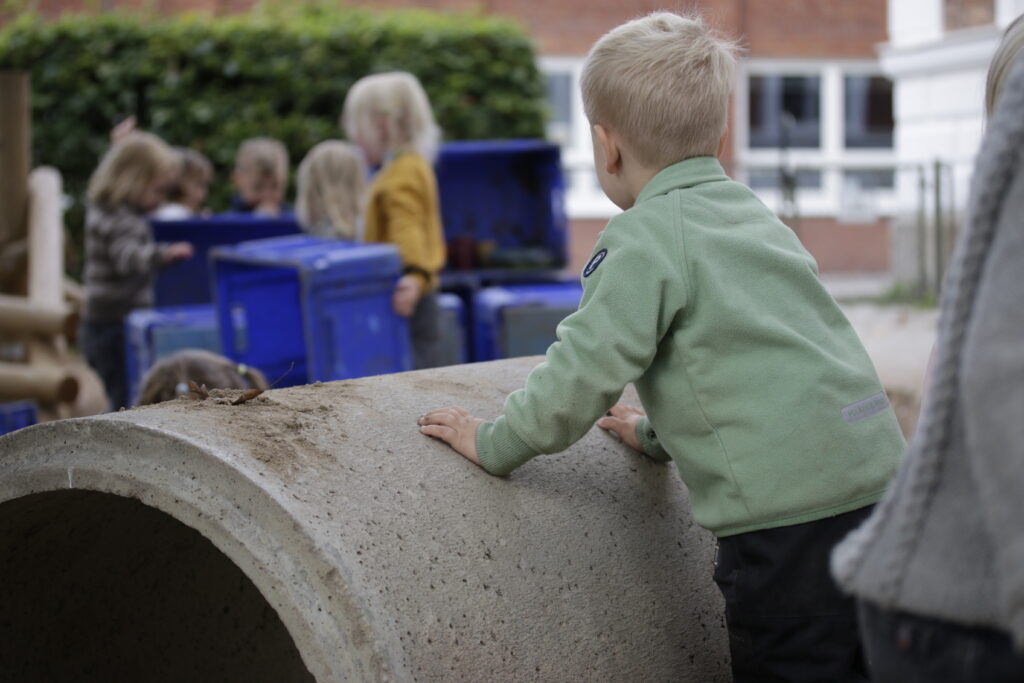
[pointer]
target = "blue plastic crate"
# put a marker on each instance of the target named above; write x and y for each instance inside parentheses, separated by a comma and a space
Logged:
(502, 204)
(17, 414)
(520, 320)
(188, 282)
(155, 333)
(453, 329)
(324, 305)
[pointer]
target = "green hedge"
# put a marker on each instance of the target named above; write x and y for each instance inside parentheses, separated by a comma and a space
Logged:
(210, 82)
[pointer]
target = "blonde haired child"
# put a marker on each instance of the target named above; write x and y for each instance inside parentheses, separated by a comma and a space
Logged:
(169, 377)
(751, 378)
(389, 117)
(329, 195)
(260, 177)
(187, 194)
(120, 255)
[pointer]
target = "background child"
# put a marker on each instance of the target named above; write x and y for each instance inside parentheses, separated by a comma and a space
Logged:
(260, 178)
(187, 194)
(329, 194)
(752, 379)
(120, 255)
(389, 117)
(169, 377)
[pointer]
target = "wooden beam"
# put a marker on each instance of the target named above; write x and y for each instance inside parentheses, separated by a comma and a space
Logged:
(19, 314)
(45, 237)
(50, 384)
(15, 153)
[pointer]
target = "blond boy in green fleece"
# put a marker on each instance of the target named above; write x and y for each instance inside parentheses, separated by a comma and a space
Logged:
(753, 381)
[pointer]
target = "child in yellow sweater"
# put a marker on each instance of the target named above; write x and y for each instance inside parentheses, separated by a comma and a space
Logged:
(388, 117)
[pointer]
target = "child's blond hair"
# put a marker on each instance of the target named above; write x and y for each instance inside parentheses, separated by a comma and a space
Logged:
(193, 166)
(331, 182)
(169, 377)
(129, 168)
(662, 82)
(1002, 61)
(398, 102)
(265, 156)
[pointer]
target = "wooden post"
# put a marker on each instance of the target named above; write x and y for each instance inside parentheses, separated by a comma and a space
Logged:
(45, 237)
(15, 154)
(50, 384)
(19, 315)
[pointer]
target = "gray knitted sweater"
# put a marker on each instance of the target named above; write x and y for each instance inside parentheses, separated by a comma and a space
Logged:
(947, 541)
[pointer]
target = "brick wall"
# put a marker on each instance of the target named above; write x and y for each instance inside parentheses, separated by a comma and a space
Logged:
(767, 28)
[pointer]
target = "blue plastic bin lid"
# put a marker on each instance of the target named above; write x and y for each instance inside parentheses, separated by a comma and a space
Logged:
(475, 147)
(567, 294)
(317, 257)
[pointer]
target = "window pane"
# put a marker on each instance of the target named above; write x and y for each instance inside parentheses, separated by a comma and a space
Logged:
(868, 111)
(871, 178)
(559, 91)
(785, 111)
(771, 178)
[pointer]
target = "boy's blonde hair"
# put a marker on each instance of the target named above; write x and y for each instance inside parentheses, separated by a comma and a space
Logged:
(398, 101)
(129, 167)
(1002, 61)
(263, 156)
(330, 189)
(661, 82)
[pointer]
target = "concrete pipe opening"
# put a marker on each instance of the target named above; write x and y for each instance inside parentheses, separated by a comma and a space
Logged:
(314, 533)
(99, 587)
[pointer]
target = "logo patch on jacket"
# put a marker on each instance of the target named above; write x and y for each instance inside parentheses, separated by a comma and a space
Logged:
(595, 261)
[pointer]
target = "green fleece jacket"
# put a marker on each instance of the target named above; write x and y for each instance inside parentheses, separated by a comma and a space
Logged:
(753, 380)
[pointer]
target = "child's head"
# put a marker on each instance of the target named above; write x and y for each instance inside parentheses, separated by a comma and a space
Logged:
(136, 171)
(170, 376)
(194, 176)
(662, 83)
(1002, 61)
(331, 182)
(387, 113)
(261, 173)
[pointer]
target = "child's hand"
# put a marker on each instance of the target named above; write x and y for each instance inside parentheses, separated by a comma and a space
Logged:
(455, 427)
(123, 129)
(406, 296)
(178, 251)
(621, 420)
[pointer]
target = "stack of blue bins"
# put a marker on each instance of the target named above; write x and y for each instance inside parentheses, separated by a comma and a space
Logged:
(520, 320)
(188, 282)
(16, 414)
(310, 309)
(155, 333)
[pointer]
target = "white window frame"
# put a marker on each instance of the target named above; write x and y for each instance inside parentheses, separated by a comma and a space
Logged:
(584, 198)
(832, 157)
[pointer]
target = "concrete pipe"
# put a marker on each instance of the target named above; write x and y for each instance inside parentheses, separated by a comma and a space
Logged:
(313, 533)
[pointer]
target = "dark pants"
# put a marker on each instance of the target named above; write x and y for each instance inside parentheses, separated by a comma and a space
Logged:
(787, 619)
(905, 648)
(425, 332)
(102, 344)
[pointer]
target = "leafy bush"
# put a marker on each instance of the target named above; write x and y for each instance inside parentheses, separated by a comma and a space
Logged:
(210, 82)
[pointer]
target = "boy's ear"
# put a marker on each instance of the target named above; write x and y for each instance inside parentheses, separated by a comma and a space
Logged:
(609, 148)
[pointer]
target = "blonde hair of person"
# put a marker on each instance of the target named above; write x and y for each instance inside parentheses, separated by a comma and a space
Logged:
(193, 166)
(169, 377)
(264, 156)
(130, 167)
(331, 182)
(397, 102)
(662, 82)
(1002, 61)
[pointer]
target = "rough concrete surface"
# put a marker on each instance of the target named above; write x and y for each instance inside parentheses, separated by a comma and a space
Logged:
(314, 531)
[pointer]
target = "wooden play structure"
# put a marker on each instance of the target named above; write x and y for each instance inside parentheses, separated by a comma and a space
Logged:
(38, 305)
